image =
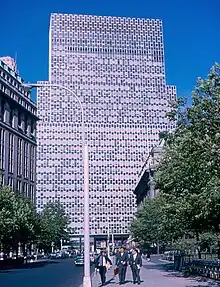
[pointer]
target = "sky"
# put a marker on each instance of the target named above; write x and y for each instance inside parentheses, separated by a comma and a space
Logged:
(191, 33)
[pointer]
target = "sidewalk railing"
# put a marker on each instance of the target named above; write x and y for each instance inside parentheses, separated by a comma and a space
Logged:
(190, 264)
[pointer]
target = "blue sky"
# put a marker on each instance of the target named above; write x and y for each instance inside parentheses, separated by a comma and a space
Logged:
(191, 33)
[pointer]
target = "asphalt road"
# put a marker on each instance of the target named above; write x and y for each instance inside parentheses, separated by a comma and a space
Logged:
(156, 259)
(59, 273)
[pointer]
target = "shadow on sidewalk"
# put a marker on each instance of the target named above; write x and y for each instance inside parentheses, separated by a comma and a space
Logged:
(159, 266)
(110, 281)
(200, 286)
(168, 271)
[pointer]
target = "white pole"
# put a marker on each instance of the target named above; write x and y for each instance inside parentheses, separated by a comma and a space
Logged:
(108, 241)
(113, 243)
(61, 244)
(86, 278)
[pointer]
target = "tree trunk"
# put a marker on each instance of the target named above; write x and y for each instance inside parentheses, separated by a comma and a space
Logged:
(198, 243)
(218, 241)
(16, 249)
(158, 247)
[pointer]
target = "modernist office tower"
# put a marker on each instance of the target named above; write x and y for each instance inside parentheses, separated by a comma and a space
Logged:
(116, 67)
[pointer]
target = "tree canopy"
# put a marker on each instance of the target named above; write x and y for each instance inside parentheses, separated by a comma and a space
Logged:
(20, 223)
(188, 176)
(53, 223)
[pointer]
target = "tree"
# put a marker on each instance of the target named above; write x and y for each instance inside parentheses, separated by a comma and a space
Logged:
(53, 225)
(20, 223)
(26, 218)
(17, 219)
(188, 176)
(7, 212)
(159, 220)
(190, 169)
(146, 225)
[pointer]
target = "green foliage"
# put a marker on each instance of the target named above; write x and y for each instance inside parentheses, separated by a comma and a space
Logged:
(189, 173)
(7, 213)
(53, 224)
(19, 221)
(190, 168)
(145, 226)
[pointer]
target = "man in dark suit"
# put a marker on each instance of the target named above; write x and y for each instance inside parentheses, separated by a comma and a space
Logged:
(122, 262)
(135, 262)
(101, 263)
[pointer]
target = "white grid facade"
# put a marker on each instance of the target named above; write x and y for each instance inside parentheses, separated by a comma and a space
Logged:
(116, 67)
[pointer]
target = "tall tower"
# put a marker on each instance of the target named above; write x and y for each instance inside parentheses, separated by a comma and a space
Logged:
(116, 67)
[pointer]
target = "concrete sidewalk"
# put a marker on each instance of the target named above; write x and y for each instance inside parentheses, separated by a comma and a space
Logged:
(153, 275)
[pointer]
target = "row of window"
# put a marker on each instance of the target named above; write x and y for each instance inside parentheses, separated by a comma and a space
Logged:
(24, 154)
(107, 23)
(28, 190)
(68, 18)
(14, 83)
(16, 120)
(9, 92)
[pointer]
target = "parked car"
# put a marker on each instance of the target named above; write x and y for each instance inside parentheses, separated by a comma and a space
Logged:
(79, 261)
(53, 255)
(168, 255)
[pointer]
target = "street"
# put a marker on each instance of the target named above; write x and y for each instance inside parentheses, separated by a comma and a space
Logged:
(63, 273)
(59, 273)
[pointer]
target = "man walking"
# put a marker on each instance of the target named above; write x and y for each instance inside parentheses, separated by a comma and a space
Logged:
(101, 263)
(121, 262)
(135, 262)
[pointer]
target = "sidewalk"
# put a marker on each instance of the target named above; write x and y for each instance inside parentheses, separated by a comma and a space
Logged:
(153, 275)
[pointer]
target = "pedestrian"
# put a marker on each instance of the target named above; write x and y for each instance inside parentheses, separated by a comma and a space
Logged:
(139, 251)
(101, 264)
(121, 263)
(148, 255)
(135, 262)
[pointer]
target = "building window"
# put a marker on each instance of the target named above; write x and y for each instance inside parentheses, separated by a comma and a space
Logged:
(2, 109)
(2, 149)
(26, 125)
(19, 186)
(25, 189)
(11, 116)
(32, 195)
(19, 119)
(10, 181)
(11, 153)
(1, 179)
(32, 163)
(20, 156)
(26, 157)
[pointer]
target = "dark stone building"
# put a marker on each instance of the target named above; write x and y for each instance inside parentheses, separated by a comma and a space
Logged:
(17, 134)
(146, 183)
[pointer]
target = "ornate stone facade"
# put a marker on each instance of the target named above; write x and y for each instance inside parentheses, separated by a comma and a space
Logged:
(17, 134)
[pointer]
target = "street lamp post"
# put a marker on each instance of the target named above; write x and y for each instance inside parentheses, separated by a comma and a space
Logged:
(86, 278)
(108, 239)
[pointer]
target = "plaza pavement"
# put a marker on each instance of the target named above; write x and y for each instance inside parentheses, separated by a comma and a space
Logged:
(154, 275)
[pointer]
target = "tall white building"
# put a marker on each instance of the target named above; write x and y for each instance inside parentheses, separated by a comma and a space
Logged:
(116, 67)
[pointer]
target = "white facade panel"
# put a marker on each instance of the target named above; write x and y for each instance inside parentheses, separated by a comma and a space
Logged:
(116, 67)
